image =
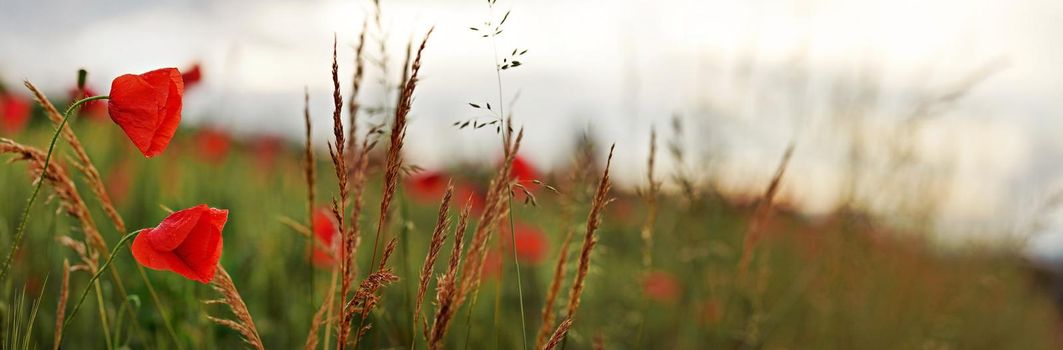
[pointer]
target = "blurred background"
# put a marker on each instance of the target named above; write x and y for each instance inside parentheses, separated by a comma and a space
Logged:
(967, 87)
(940, 117)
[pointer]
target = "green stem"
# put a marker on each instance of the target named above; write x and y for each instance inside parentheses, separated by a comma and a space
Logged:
(40, 181)
(506, 139)
(505, 144)
(405, 234)
(103, 313)
(114, 253)
(468, 317)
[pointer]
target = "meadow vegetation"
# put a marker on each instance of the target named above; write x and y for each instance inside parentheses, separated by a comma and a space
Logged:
(351, 246)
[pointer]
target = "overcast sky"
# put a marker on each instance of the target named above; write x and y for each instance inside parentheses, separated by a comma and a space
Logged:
(615, 67)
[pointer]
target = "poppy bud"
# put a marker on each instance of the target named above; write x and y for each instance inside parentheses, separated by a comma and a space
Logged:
(192, 76)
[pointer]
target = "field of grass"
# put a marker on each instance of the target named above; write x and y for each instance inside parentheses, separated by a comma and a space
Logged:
(559, 260)
(835, 283)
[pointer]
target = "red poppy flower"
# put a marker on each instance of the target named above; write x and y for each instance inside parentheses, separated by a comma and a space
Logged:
(531, 242)
(427, 186)
(95, 110)
(148, 108)
(187, 242)
(661, 286)
(192, 75)
(14, 113)
(325, 229)
(213, 144)
(523, 171)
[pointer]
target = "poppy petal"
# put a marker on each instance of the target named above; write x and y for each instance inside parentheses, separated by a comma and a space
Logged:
(201, 251)
(187, 242)
(147, 107)
(176, 264)
(145, 254)
(175, 228)
(171, 112)
(161, 260)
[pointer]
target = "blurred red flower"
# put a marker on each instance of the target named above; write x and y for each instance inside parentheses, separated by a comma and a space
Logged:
(531, 242)
(14, 113)
(187, 242)
(468, 195)
(325, 228)
(661, 286)
(525, 174)
(523, 171)
(213, 144)
(492, 267)
(95, 110)
(120, 180)
(148, 108)
(192, 75)
(427, 186)
(266, 149)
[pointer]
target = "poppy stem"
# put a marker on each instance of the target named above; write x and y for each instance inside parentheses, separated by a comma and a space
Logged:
(114, 253)
(40, 180)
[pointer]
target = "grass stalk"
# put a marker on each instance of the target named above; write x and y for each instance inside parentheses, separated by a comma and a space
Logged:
(104, 324)
(505, 142)
(20, 233)
(60, 309)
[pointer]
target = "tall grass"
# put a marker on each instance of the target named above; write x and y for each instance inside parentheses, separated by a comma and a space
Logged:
(724, 274)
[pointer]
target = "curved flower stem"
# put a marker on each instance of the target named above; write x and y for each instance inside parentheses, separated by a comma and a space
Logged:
(40, 181)
(114, 253)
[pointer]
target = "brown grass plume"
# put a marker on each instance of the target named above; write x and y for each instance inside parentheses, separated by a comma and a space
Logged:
(223, 284)
(589, 240)
(439, 236)
(446, 286)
